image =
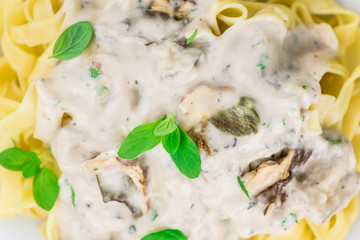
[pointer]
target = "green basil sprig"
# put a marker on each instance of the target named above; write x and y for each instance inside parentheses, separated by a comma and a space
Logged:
(168, 234)
(45, 184)
(175, 141)
(73, 41)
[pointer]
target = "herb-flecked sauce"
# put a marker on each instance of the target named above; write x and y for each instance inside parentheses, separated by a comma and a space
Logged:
(138, 69)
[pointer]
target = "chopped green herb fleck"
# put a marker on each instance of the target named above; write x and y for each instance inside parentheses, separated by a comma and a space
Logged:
(215, 150)
(74, 124)
(95, 169)
(268, 126)
(294, 216)
(304, 87)
(102, 90)
(94, 72)
(73, 196)
(243, 187)
(262, 67)
(303, 118)
(283, 224)
(127, 119)
(191, 38)
(67, 182)
(264, 124)
(283, 122)
(154, 214)
(334, 141)
(136, 82)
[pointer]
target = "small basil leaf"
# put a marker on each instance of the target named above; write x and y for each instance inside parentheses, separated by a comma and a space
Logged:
(187, 156)
(45, 188)
(14, 158)
(139, 140)
(73, 41)
(171, 141)
(166, 126)
(168, 234)
(30, 169)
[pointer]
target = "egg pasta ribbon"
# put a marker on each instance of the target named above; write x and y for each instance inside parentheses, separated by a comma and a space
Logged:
(26, 49)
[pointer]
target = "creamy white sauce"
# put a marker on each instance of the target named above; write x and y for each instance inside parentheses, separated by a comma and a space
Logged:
(145, 74)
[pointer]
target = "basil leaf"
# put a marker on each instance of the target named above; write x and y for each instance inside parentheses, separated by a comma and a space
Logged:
(14, 158)
(32, 167)
(191, 38)
(166, 126)
(140, 140)
(187, 156)
(45, 188)
(73, 41)
(168, 234)
(243, 187)
(171, 141)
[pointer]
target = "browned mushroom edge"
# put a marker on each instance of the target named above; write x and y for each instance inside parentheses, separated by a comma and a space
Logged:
(276, 192)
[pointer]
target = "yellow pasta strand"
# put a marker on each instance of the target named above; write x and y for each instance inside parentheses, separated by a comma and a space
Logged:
(338, 106)
(26, 48)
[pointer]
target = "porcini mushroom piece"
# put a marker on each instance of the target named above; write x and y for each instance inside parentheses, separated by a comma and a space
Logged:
(275, 195)
(162, 7)
(267, 174)
(199, 104)
(184, 10)
(199, 140)
(120, 181)
(239, 120)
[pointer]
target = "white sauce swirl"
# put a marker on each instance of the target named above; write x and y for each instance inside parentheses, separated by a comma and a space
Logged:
(145, 74)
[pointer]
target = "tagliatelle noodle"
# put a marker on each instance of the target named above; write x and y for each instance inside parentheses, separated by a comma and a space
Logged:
(340, 100)
(26, 48)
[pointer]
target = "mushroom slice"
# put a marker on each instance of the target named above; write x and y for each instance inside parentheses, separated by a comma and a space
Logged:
(120, 181)
(162, 7)
(184, 10)
(200, 140)
(275, 194)
(267, 174)
(199, 104)
(239, 120)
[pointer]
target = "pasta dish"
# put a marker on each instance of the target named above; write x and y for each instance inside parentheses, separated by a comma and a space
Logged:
(180, 119)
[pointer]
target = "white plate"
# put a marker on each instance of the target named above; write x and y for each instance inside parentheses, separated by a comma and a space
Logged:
(19, 228)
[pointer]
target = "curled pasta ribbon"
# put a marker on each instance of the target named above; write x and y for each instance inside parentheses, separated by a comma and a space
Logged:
(25, 48)
(339, 103)
(228, 12)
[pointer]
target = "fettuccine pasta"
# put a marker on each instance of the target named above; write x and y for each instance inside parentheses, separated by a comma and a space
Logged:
(29, 28)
